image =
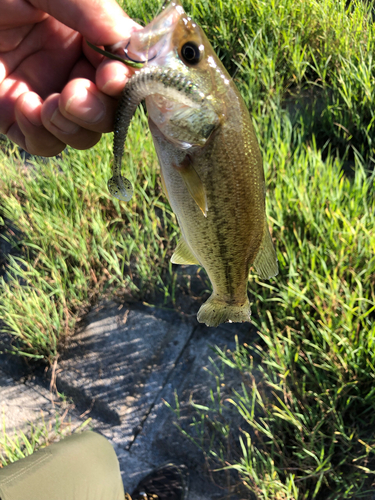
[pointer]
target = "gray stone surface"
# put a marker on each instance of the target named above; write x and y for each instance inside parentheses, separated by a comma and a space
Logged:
(120, 367)
(119, 362)
(20, 403)
(25, 402)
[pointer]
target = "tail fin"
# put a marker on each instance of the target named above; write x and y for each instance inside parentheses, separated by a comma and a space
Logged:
(215, 311)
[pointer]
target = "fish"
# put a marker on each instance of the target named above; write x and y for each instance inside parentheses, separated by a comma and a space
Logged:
(211, 164)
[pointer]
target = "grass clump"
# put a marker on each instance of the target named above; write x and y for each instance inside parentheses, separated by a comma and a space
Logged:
(77, 241)
(308, 427)
(320, 52)
(306, 407)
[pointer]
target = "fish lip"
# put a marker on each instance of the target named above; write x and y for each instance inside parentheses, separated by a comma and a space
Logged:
(134, 60)
(117, 49)
(121, 49)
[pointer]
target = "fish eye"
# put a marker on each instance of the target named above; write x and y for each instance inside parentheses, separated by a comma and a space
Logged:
(190, 53)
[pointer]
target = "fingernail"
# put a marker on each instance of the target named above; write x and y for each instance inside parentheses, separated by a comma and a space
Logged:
(31, 107)
(85, 106)
(113, 83)
(64, 125)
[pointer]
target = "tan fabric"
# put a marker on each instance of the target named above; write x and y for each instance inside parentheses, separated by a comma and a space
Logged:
(80, 467)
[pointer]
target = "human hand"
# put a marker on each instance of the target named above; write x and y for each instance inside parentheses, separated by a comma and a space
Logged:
(54, 89)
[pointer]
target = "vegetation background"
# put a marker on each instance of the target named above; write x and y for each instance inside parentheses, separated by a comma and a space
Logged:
(307, 73)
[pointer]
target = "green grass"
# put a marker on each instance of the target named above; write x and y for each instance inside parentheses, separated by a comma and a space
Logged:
(308, 428)
(306, 71)
(77, 241)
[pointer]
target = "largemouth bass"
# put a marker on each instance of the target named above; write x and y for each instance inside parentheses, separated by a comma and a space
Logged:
(211, 165)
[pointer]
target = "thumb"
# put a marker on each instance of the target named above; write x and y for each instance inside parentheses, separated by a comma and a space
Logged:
(101, 22)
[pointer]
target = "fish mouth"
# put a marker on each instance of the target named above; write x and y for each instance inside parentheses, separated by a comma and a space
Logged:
(153, 42)
(122, 51)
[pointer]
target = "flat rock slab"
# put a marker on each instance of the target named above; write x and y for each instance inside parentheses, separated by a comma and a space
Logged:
(22, 403)
(119, 363)
(121, 367)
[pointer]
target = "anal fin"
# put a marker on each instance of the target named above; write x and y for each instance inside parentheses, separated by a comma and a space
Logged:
(266, 263)
(183, 254)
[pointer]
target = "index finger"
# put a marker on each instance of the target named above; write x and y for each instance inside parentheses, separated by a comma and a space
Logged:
(101, 22)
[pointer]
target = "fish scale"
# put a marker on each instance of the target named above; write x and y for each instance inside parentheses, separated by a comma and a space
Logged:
(217, 236)
(211, 166)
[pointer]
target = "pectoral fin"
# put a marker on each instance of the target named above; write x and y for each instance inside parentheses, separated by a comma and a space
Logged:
(265, 262)
(193, 183)
(183, 254)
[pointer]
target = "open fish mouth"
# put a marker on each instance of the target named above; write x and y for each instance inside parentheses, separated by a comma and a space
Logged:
(152, 43)
(127, 56)
(125, 52)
